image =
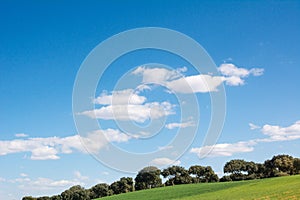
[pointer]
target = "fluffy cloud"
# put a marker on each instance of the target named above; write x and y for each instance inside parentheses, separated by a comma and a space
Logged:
(164, 161)
(39, 186)
(128, 105)
(229, 69)
(225, 149)
(46, 183)
(49, 148)
(158, 75)
(137, 113)
(194, 84)
(274, 133)
(122, 97)
(278, 133)
(180, 125)
(21, 135)
(234, 75)
(177, 82)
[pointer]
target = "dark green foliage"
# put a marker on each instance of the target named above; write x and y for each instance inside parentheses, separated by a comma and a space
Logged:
(203, 174)
(99, 190)
(260, 170)
(147, 178)
(124, 185)
(176, 175)
(280, 165)
(56, 197)
(75, 193)
(296, 166)
(44, 198)
(225, 179)
(29, 198)
(243, 170)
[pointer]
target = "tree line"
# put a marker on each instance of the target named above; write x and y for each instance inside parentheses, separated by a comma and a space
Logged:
(151, 177)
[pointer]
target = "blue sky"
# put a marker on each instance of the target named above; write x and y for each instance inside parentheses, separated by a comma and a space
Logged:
(43, 44)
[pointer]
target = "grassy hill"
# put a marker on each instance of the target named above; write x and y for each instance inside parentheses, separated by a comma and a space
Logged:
(273, 188)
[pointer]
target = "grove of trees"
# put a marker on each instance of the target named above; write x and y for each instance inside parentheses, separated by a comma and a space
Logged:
(151, 177)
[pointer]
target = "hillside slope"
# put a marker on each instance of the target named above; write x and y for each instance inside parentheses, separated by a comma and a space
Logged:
(272, 188)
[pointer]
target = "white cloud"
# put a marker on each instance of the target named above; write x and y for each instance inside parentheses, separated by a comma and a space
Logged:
(274, 133)
(137, 113)
(164, 161)
(257, 71)
(79, 176)
(234, 75)
(122, 97)
(229, 70)
(41, 186)
(23, 175)
(278, 133)
(234, 81)
(175, 81)
(44, 184)
(253, 126)
(180, 125)
(2, 179)
(44, 153)
(21, 135)
(225, 149)
(197, 83)
(49, 148)
(165, 147)
(158, 75)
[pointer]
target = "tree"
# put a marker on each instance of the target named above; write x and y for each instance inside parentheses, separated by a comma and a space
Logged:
(176, 175)
(56, 197)
(260, 170)
(75, 193)
(124, 185)
(236, 168)
(99, 190)
(44, 198)
(225, 179)
(280, 165)
(241, 170)
(296, 166)
(29, 198)
(147, 178)
(203, 174)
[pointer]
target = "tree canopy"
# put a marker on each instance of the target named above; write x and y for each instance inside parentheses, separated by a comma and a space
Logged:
(147, 178)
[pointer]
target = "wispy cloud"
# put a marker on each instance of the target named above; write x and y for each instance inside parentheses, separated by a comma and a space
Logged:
(229, 69)
(274, 133)
(225, 149)
(201, 83)
(164, 161)
(180, 125)
(158, 75)
(137, 113)
(51, 147)
(20, 135)
(279, 133)
(253, 126)
(79, 176)
(121, 97)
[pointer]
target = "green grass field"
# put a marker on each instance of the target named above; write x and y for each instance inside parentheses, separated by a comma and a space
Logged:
(273, 188)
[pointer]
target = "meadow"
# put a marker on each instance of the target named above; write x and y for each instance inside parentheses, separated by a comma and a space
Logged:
(287, 187)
